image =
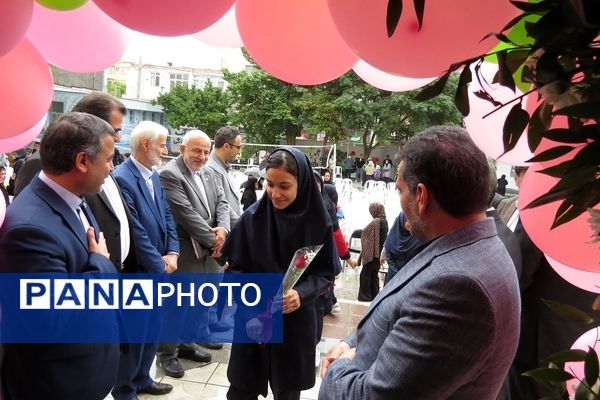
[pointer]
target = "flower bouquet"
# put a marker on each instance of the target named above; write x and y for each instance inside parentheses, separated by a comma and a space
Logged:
(300, 261)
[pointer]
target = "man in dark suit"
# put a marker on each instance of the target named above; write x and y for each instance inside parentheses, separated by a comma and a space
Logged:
(202, 215)
(47, 229)
(156, 244)
(447, 325)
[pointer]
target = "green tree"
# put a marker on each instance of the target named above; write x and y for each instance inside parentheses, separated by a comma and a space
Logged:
(206, 109)
(116, 88)
(348, 106)
(266, 107)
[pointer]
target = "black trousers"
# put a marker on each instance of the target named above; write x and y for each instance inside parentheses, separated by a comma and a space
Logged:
(369, 281)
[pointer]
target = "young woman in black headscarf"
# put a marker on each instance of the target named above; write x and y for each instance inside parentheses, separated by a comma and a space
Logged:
(249, 194)
(400, 246)
(371, 243)
(290, 216)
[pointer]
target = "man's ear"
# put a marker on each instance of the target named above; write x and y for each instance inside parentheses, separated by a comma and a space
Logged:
(82, 162)
(146, 144)
(422, 198)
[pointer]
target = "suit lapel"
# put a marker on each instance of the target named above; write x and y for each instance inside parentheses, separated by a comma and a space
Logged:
(192, 182)
(106, 201)
(143, 188)
(55, 202)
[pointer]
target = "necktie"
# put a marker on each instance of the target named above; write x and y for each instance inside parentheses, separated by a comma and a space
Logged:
(87, 219)
(150, 187)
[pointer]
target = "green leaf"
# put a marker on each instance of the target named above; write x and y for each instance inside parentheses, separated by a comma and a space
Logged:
(501, 37)
(433, 89)
(549, 375)
(532, 7)
(461, 99)
(420, 11)
(564, 135)
(591, 367)
(513, 22)
(566, 356)
(587, 110)
(551, 154)
(514, 125)
(540, 121)
(505, 77)
(569, 312)
(587, 195)
(394, 11)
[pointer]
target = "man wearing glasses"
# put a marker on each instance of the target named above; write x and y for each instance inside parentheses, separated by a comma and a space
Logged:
(228, 144)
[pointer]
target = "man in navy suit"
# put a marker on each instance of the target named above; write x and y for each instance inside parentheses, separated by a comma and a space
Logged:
(155, 240)
(48, 229)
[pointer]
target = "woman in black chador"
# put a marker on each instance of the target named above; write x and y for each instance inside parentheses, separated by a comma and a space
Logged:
(290, 216)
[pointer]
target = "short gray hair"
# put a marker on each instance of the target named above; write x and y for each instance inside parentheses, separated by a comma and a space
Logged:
(146, 130)
(194, 134)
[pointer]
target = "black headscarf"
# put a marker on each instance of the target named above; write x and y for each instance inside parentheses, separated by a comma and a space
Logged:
(329, 205)
(265, 239)
(399, 240)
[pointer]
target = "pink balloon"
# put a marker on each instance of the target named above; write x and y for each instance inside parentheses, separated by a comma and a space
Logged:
(589, 281)
(82, 40)
(23, 139)
(166, 18)
(25, 89)
(569, 243)
(14, 20)
(385, 81)
(223, 33)
(451, 31)
(487, 132)
(585, 341)
(294, 40)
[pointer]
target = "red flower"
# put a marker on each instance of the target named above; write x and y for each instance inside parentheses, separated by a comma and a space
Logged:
(352, 153)
(300, 262)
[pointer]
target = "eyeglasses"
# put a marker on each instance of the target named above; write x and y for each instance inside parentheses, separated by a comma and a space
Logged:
(235, 145)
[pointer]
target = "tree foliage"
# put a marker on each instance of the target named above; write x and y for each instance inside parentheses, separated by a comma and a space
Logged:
(265, 106)
(116, 88)
(206, 109)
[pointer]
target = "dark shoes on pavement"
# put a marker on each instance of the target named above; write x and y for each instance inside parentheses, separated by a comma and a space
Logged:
(212, 346)
(172, 368)
(195, 355)
(156, 389)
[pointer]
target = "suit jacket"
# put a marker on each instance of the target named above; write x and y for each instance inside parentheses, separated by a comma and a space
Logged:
(510, 241)
(41, 233)
(506, 207)
(191, 212)
(30, 168)
(231, 193)
(445, 327)
(153, 230)
(111, 227)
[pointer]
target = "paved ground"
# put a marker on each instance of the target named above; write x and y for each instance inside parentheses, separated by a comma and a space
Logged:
(209, 381)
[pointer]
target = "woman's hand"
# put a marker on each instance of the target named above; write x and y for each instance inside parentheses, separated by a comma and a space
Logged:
(291, 301)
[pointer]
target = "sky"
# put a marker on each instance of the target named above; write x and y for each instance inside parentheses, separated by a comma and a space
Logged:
(184, 51)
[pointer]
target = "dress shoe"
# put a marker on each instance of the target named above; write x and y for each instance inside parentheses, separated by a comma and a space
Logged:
(172, 368)
(195, 355)
(156, 389)
(212, 346)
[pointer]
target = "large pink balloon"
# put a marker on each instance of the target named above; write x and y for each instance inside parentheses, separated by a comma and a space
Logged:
(82, 40)
(589, 339)
(569, 243)
(166, 18)
(585, 280)
(23, 139)
(385, 81)
(487, 132)
(15, 16)
(294, 40)
(223, 33)
(451, 31)
(25, 89)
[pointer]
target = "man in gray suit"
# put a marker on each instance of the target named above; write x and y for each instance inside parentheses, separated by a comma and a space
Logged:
(228, 144)
(202, 216)
(447, 325)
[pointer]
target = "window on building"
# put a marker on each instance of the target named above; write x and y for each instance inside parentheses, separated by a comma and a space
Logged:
(155, 79)
(131, 117)
(198, 81)
(56, 109)
(179, 79)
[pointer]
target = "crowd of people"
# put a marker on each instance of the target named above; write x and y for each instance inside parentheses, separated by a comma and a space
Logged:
(447, 323)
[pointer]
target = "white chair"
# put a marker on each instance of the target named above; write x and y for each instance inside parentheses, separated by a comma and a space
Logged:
(391, 186)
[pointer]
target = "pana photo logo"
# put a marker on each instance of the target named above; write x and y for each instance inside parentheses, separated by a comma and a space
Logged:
(134, 294)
